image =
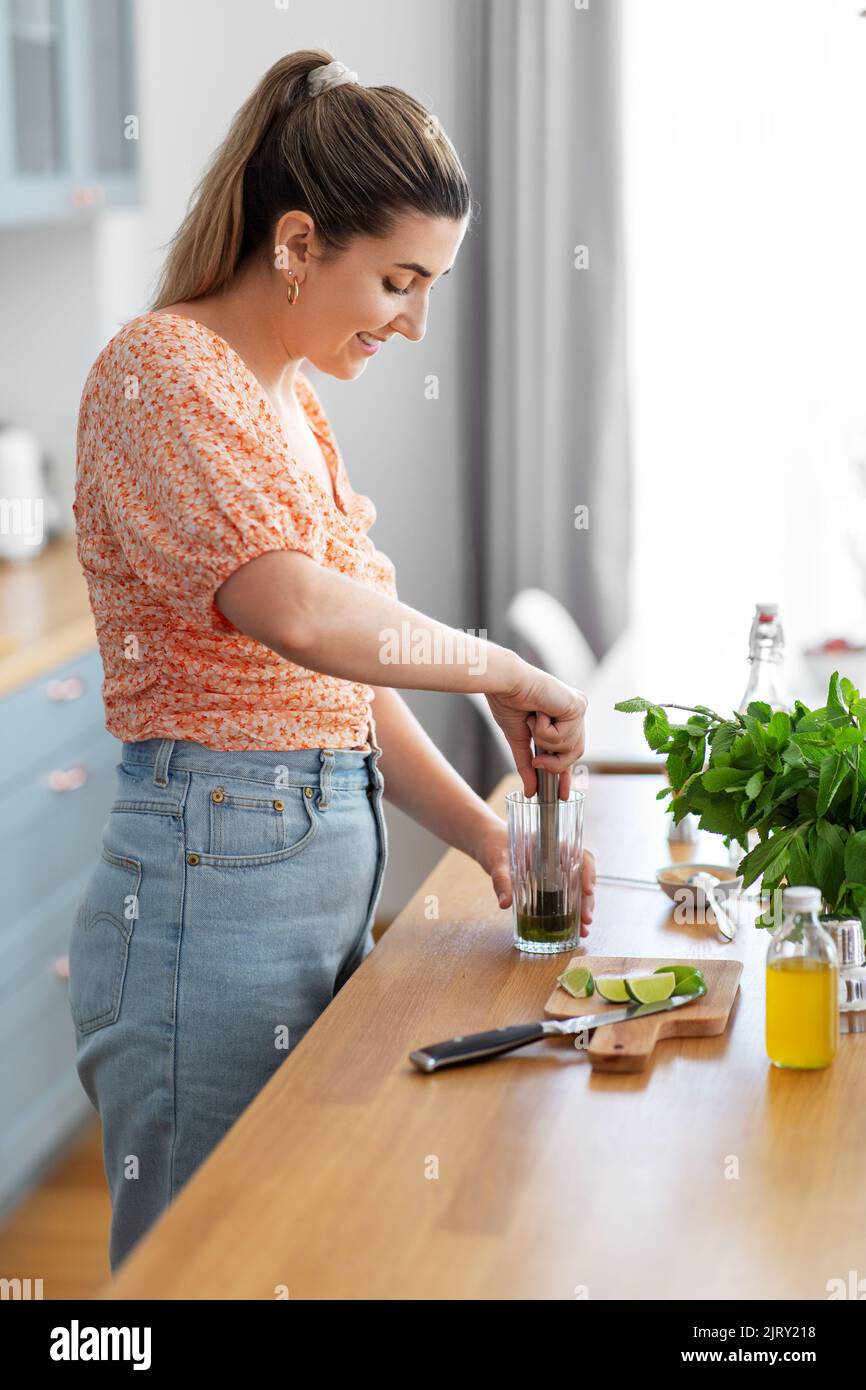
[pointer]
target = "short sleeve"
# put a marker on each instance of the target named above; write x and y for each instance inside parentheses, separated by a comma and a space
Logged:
(192, 489)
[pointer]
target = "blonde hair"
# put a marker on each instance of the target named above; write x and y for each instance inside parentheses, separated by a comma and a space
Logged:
(354, 158)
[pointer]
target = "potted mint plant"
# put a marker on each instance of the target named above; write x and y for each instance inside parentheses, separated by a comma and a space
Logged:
(798, 779)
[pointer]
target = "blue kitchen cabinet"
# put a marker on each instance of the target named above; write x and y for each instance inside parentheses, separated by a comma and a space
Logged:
(68, 113)
(57, 769)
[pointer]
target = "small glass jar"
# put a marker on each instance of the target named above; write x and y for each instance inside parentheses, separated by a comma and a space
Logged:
(847, 933)
(802, 1026)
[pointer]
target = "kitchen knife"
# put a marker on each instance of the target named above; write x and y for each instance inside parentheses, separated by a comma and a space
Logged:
(474, 1047)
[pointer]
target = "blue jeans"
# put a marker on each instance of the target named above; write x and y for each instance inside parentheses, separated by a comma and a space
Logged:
(233, 896)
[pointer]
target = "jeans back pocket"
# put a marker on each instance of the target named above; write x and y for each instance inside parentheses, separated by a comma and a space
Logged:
(99, 945)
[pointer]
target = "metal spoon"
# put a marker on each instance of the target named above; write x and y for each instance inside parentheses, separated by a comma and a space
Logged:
(725, 923)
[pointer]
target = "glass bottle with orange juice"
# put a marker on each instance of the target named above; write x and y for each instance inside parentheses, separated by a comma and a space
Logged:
(802, 985)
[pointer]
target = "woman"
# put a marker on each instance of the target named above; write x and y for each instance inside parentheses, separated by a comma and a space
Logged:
(243, 616)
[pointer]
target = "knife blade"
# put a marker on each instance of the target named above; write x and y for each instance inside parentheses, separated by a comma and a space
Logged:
(475, 1047)
(574, 1025)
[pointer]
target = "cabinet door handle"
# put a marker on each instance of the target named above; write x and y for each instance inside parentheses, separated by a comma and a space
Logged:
(70, 689)
(67, 779)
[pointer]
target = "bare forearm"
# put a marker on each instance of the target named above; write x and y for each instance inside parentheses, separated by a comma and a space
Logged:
(325, 621)
(421, 781)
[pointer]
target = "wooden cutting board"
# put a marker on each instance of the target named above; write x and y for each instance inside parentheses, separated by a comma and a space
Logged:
(629, 1046)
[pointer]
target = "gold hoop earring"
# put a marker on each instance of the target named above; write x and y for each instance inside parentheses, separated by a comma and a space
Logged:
(293, 289)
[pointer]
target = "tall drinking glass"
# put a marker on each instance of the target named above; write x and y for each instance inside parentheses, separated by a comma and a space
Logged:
(545, 884)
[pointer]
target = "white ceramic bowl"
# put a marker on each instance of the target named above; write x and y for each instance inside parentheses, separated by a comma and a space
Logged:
(672, 879)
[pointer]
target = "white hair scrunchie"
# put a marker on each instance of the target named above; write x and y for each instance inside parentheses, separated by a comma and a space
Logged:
(329, 75)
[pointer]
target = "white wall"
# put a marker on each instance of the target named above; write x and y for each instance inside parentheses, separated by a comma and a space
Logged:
(746, 221)
(48, 281)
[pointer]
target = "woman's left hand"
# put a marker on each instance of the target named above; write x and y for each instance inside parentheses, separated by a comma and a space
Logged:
(491, 852)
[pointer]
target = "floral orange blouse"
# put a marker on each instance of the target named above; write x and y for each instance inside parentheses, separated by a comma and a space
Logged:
(184, 475)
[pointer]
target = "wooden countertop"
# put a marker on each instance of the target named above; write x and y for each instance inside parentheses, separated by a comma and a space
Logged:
(711, 1175)
(45, 616)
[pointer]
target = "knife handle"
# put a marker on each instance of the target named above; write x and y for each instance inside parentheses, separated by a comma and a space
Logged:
(474, 1047)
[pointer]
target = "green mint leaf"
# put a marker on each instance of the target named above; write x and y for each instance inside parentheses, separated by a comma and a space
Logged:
(774, 872)
(677, 769)
(858, 893)
(722, 737)
(754, 785)
(766, 796)
(779, 726)
(720, 779)
(850, 693)
(760, 710)
(655, 728)
(757, 860)
(756, 731)
(813, 753)
(835, 699)
(793, 755)
(847, 736)
(833, 769)
(827, 853)
(855, 857)
(813, 722)
(799, 864)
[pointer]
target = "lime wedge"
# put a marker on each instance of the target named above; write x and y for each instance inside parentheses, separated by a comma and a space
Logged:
(689, 980)
(648, 987)
(577, 981)
(612, 988)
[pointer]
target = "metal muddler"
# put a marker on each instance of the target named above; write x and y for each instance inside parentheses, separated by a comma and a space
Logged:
(549, 873)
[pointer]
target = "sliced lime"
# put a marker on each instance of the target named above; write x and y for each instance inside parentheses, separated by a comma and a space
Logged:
(694, 988)
(689, 979)
(691, 984)
(577, 981)
(612, 988)
(649, 986)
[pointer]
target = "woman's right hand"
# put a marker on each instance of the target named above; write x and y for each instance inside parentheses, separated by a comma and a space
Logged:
(538, 706)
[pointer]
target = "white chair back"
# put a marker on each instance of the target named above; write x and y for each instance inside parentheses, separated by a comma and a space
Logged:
(546, 634)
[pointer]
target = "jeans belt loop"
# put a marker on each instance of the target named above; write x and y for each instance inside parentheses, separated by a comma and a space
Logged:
(326, 757)
(375, 781)
(371, 735)
(162, 762)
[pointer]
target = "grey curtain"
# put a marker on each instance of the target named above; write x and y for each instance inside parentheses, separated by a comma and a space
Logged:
(544, 340)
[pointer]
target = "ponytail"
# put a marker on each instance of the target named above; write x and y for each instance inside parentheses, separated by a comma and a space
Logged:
(353, 158)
